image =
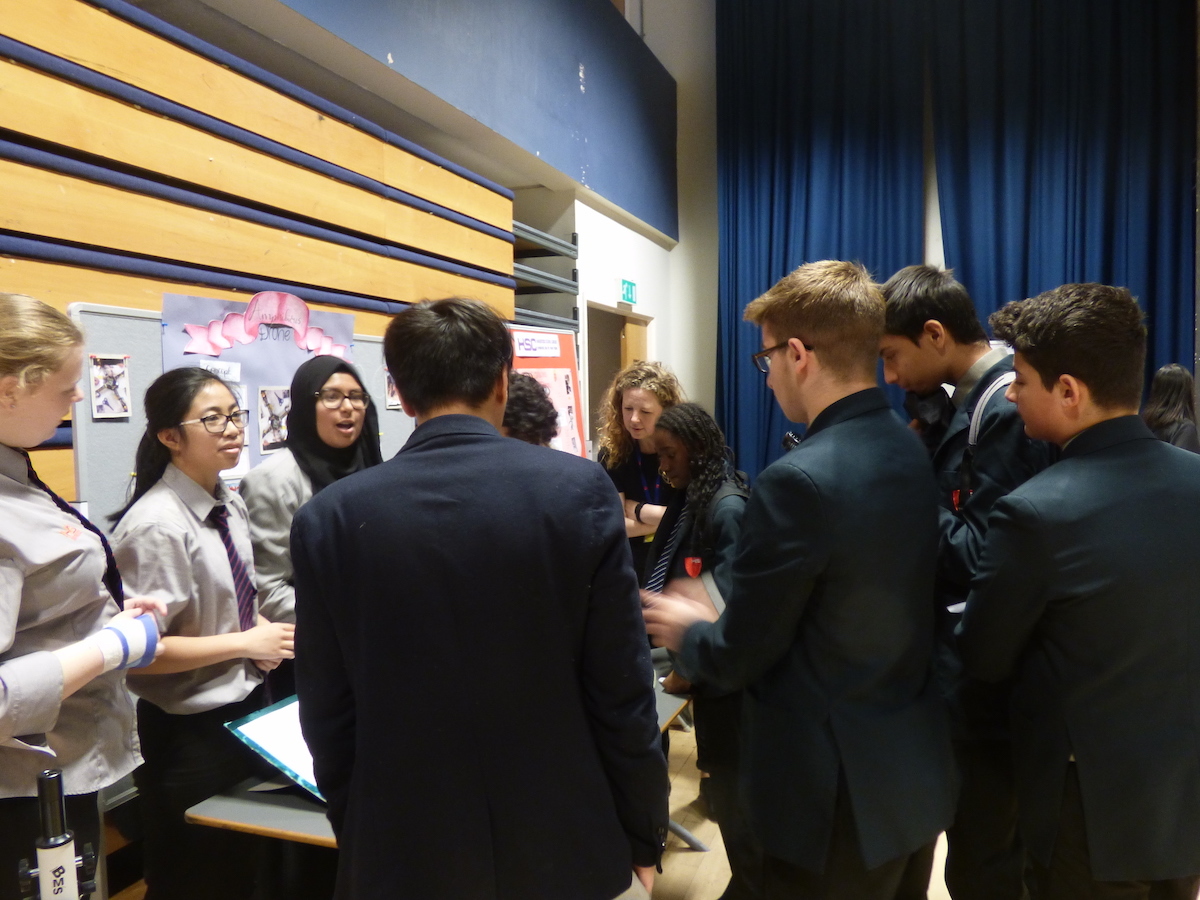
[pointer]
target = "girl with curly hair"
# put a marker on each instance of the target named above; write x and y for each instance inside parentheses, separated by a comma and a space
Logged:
(636, 398)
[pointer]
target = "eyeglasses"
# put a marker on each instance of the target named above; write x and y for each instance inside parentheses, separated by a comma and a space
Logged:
(218, 422)
(333, 399)
(762, 359)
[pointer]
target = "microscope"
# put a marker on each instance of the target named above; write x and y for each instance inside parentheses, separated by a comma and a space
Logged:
(59, 873)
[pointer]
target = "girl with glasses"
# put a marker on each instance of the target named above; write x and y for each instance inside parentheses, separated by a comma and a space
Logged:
(184, 538)
(63, 702)
(333, 431)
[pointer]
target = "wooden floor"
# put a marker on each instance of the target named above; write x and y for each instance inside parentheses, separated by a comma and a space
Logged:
(687, 874)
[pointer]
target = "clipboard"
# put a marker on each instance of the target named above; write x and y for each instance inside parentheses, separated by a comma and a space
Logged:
(274, 734)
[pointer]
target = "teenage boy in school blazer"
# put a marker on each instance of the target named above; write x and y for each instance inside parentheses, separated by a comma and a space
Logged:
(933, 336)
(830, 622)
(473, 672)
(1089, 597)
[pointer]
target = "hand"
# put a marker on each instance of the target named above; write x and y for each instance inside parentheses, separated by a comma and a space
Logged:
(266, 665)
(645, 874)
(668, 617)
(674, 683)
(135, 606)
(273, 640)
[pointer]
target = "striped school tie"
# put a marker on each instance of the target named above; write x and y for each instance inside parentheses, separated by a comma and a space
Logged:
(658, 578)
(242, 582)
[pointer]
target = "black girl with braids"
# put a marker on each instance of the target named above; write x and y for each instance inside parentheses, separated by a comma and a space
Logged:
(692, 454)
(699, 533)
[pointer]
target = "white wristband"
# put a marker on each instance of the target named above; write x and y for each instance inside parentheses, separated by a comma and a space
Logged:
(127, 643)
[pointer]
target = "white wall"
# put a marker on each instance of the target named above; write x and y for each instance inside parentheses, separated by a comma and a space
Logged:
(676, 283)
(682, 34)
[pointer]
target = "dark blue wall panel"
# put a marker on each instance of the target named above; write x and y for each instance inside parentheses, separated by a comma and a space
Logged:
(567, 80)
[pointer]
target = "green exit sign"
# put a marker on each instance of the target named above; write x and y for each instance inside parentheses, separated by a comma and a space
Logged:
(628, 291)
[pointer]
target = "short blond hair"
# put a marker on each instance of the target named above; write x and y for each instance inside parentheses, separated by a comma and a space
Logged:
(34, 339)
(832, 305)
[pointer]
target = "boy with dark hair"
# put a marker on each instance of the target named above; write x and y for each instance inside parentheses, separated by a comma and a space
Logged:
(932, 336)
(1087, 598)
(476, 578)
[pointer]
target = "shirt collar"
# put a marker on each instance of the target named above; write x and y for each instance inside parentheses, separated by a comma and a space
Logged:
(978, 369)
(194, 497)
(13, 464)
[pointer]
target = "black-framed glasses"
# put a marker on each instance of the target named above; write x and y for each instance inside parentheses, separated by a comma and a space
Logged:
(762, 359)
(216, 423)
(332, 399)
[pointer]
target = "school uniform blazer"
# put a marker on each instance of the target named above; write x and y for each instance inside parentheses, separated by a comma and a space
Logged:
(474, 676)
(1089, 594)
(1004, 458)
(830, 626)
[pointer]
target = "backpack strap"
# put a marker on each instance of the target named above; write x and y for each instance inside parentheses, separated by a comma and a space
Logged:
(966, 471)
(995, 387)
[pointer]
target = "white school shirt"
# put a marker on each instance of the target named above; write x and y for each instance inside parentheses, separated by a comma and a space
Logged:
(52, 594)
(166, 548)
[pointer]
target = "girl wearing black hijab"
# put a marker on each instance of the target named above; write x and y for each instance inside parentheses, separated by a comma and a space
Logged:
(333, 431)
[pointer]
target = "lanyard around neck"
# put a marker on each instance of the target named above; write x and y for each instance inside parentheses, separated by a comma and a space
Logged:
(646, 495)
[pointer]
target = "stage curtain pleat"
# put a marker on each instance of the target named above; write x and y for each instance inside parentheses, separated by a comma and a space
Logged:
(1066, 151)
(819, 156)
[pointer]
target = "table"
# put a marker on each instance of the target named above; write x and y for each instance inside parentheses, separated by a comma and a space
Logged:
(288, 816)
(277, 814)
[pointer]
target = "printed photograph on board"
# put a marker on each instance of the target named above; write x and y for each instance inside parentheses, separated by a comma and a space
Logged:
(393, 396)
(109, 377)
(274, 403)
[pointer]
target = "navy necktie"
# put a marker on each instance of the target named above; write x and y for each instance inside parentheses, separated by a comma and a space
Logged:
(242, 582)
(112, 578)
(658, 578)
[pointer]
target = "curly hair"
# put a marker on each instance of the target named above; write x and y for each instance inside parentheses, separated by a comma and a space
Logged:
(709, 461)
(529, 415)
(615, 443)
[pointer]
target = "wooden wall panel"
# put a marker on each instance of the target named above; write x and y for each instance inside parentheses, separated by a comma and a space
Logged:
(61, 285)
(47, 108)
(49, 204)
(56, 467)
(107, 44)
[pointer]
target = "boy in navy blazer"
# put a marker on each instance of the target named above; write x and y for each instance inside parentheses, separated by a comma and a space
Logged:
(829, 624)
(474, 679)
(933, 336)
(1088, 596)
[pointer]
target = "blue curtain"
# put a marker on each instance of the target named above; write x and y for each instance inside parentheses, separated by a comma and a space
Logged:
(1066, 147)
(819, 110)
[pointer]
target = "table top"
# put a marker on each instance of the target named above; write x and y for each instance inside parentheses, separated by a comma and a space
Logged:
(283, 814)
(293, 815)
(668, 705)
